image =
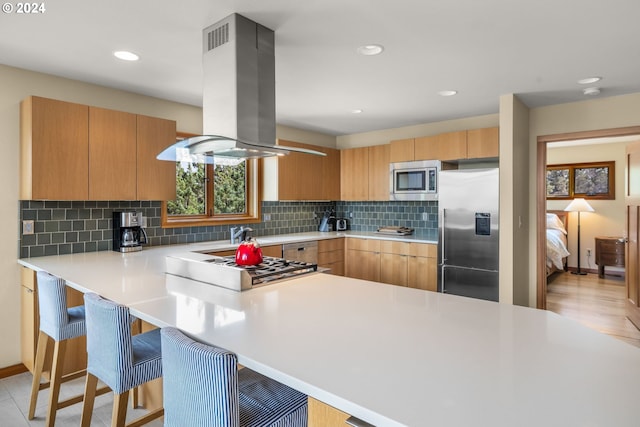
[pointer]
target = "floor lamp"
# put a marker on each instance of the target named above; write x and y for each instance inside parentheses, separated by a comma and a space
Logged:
(579, 205)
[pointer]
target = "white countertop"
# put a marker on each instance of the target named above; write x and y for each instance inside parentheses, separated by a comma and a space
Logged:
(386, 354)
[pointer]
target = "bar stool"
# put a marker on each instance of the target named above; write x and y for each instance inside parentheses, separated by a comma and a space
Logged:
(60, 324)
(117, 358)
(203, 387)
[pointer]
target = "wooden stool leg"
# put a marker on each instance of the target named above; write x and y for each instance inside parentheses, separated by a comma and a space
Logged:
(119, 415)
(89, 397)
(41, 352)
(57, 365)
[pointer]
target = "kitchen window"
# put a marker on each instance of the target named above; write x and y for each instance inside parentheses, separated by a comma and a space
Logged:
(217, 194)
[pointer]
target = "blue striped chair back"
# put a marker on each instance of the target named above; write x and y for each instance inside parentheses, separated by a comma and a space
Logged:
(114, 356)
(203, 387)
(56, 320)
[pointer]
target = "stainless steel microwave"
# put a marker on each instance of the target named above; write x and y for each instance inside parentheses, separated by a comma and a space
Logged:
(417, 180)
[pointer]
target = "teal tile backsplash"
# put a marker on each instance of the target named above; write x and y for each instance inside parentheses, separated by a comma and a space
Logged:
(63, 227)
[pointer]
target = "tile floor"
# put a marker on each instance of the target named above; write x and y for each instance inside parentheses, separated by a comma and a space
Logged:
(14, 405)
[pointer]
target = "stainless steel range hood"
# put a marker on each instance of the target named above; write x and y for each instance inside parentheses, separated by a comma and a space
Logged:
(238, 100)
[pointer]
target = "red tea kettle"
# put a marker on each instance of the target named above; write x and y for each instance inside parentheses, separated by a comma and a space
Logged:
(249, 251)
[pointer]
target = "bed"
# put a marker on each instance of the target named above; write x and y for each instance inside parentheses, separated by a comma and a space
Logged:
(557, 252)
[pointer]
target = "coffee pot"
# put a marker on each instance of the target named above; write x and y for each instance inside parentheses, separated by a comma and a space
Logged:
(128, 233)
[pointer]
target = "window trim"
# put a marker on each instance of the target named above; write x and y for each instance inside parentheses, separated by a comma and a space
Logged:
(611, 195)
(254, 196)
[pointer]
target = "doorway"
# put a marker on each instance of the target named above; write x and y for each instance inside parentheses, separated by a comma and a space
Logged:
(541, 205)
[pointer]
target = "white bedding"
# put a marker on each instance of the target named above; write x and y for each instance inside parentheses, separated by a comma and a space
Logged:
(556, 248)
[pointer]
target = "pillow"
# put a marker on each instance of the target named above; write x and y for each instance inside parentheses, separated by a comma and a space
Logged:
(554, 223)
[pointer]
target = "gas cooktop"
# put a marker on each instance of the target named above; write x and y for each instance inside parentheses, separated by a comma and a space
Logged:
(224, 272)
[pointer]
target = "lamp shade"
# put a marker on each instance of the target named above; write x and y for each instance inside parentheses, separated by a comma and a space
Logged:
(579, 205)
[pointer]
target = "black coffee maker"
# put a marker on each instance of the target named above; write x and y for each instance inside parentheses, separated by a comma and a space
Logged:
(128, 234)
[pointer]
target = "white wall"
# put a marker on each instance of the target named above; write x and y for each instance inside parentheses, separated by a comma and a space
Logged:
(594, 114)
(514, 218)
(609, 216)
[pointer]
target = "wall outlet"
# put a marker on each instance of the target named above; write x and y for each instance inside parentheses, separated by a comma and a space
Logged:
(425, 216)
(266, 217)
(350, 214)
(588, 252)
(27, 227)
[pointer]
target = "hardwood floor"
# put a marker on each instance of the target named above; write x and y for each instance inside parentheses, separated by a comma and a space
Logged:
(594, 302)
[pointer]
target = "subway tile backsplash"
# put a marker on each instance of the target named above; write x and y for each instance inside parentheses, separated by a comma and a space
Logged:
(63, 227)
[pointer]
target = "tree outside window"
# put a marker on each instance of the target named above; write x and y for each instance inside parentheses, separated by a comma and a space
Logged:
(587, 180)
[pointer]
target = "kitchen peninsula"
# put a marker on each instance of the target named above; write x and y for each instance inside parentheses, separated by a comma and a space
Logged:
(389, 355)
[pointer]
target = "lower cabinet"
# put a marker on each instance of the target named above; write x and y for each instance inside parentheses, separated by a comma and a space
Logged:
(323, 415)
(393, 262)
(76, 353)
(331, 255)
(363, 259)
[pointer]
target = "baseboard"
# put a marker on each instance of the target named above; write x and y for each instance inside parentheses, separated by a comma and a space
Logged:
(595, 271)
(10, 371)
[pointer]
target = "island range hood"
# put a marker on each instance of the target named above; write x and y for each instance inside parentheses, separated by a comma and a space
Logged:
(238, 101)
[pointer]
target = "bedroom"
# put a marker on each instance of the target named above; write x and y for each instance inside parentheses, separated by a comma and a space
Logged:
(590, 299)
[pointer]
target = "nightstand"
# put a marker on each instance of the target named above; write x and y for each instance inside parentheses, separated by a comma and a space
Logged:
(609, 251)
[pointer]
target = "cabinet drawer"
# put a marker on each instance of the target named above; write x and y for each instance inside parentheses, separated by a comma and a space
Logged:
(612, 247)
(393, 247)
(369, 245)
(325, 258)
(330, 245)
(611, 259)
(425, 250)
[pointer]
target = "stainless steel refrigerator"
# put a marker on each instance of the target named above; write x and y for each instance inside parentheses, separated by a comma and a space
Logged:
(468, 233)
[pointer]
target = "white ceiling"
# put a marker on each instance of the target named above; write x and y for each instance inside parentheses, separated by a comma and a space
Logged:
(483, 49)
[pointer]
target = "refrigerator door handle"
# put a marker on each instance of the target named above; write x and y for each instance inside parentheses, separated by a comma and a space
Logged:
(442, 252)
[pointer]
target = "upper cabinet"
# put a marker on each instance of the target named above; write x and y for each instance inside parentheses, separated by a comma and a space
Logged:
(156, 179)
(298, 176)
(483, 143)
(402, 150)
(445, 146)
(365, 173)
(54, 150)
(76, 152)
(112, 164)
(469, 144)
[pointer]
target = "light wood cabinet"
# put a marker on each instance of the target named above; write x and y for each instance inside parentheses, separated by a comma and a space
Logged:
(76, 152)
(469, 144)
(445, 146)
(76, 352)
(354, 174)
(422, 265)
(331, 255)
(156, 179)
(54, 150)
(364, 173)
(112, 160)
(402, 150)
(393, 262)
(483, 143)
(300, 176)
(323, 415)
(363, 259)
(379, 172)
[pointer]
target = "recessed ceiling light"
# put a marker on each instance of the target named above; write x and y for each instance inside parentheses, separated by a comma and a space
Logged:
(447, 92)
(589, 80)
(126, 55)
(370, 49)
(591, 91)
(356, 111)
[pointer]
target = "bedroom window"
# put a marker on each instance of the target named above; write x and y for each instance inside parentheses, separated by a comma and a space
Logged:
(588, 180)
